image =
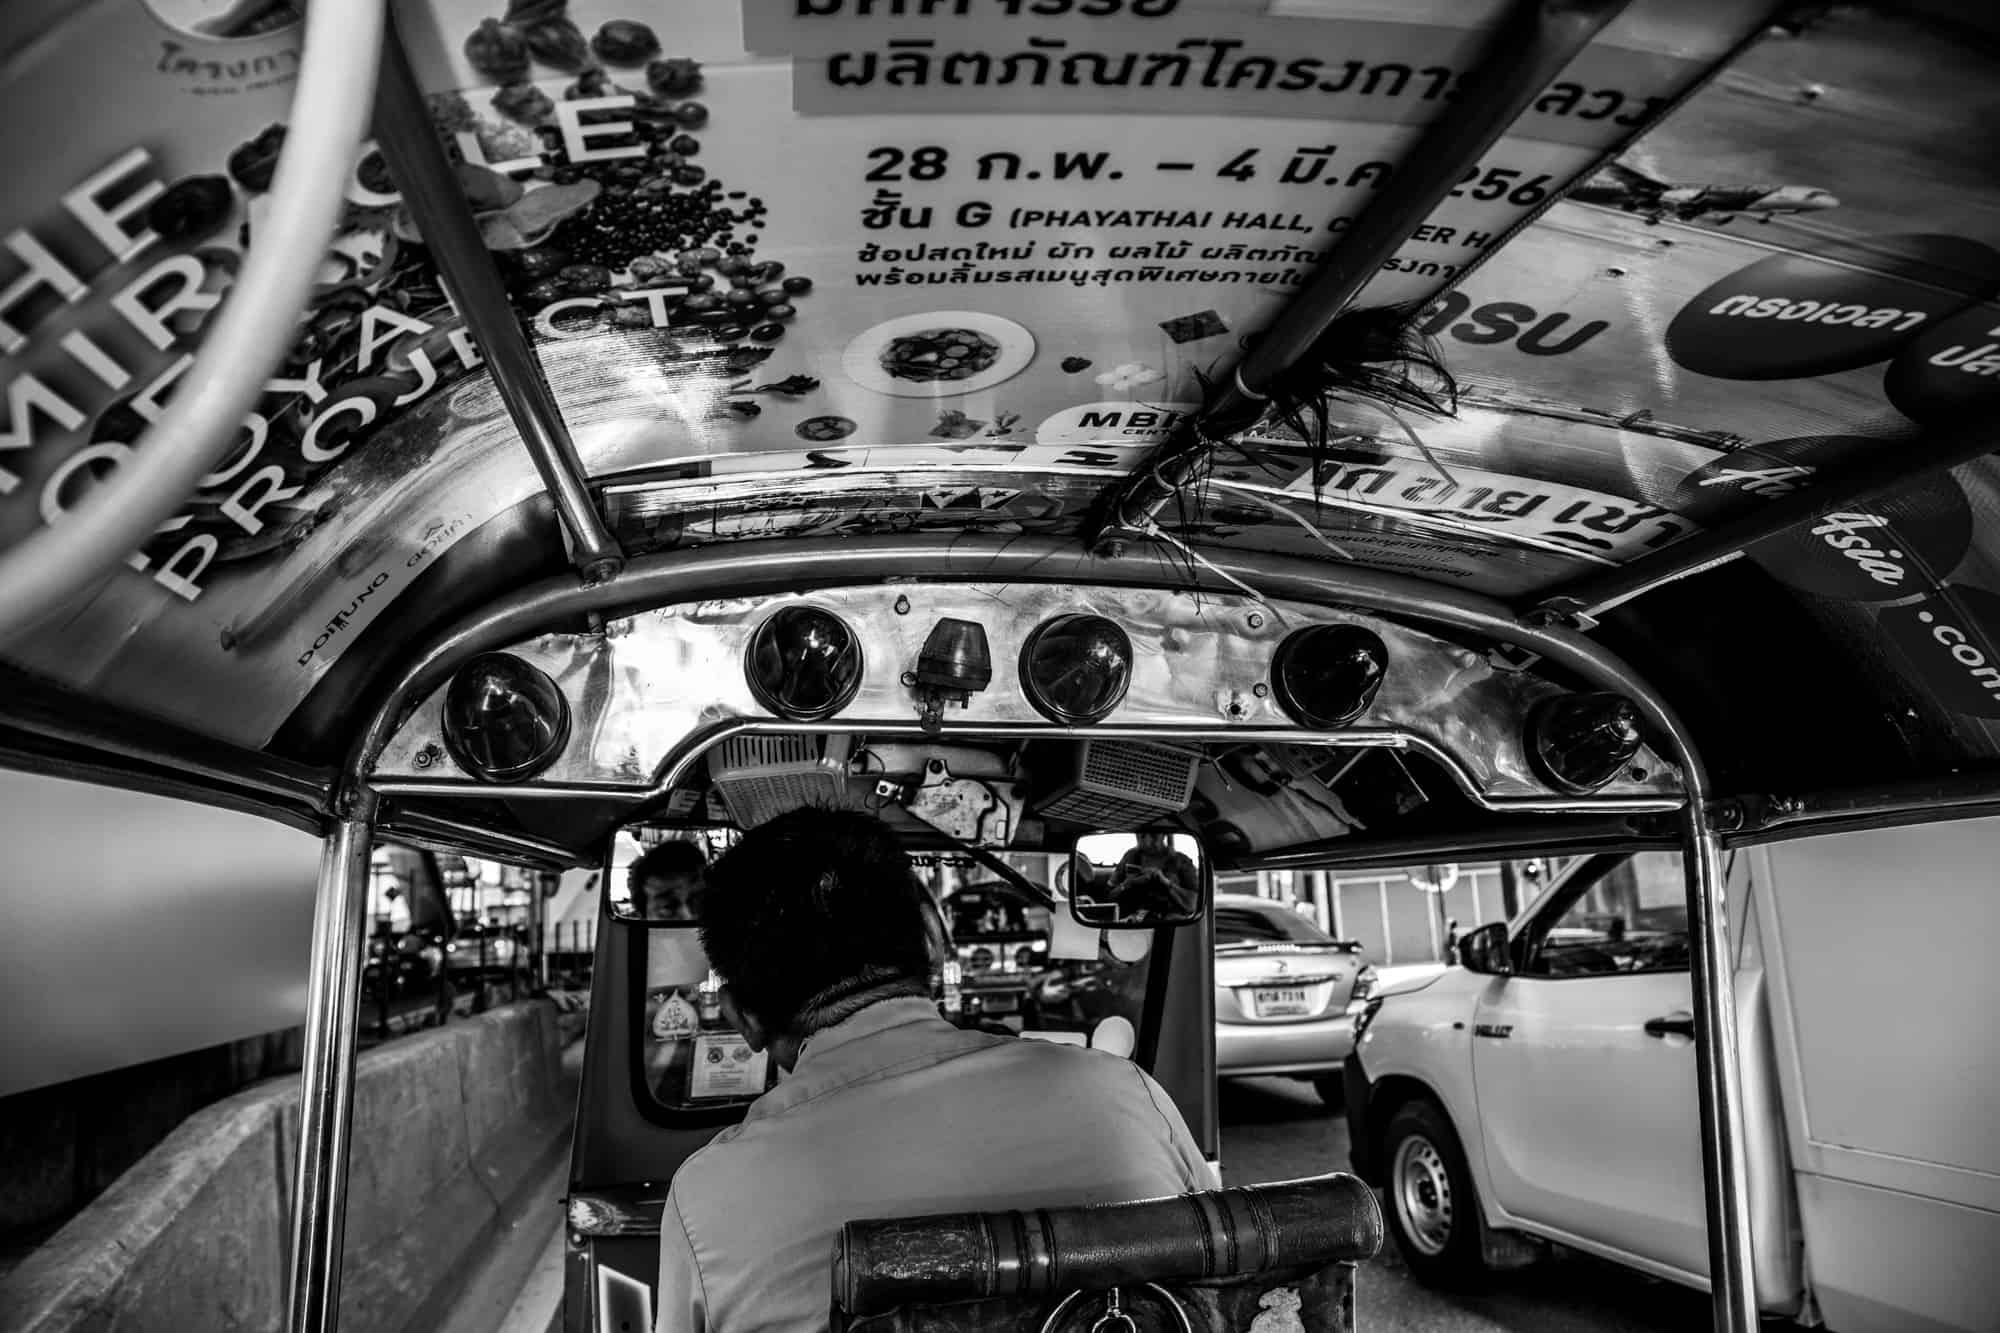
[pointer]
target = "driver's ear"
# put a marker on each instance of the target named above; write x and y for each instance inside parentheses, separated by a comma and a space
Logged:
(743, 1021)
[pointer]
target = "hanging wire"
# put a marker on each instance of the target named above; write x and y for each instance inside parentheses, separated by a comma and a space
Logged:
(1283, 512)
(1153, 529)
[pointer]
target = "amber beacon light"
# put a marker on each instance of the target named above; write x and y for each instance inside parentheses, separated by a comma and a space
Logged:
(504, 720)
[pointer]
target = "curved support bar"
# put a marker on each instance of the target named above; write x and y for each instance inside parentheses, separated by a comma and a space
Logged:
(756, 568)
(330, 117)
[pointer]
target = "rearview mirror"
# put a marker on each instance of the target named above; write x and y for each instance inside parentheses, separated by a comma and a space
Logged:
(1484, 951)
(1127, 881)
(655, 876)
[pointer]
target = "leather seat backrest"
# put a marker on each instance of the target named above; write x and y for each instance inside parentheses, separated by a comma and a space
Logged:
(1275, 1258)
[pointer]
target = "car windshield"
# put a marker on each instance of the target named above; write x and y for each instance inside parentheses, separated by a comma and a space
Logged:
(1244, 925)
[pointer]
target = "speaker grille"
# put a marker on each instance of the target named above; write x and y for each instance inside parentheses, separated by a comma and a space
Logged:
(761, 777)
(1120, 783)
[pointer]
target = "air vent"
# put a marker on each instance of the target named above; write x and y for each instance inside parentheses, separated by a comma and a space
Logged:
(1120, 784)
(761, 777)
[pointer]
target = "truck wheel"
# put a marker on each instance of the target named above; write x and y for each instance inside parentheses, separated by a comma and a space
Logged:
(1433, 1208)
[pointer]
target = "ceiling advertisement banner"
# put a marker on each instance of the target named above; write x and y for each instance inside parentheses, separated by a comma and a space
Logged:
(848, 243)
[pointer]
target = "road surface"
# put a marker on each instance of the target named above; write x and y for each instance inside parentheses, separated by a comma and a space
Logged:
(1275, 1129)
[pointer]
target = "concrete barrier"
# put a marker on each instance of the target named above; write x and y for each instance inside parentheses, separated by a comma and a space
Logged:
(448, 1125)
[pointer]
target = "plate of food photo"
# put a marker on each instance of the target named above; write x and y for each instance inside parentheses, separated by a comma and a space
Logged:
(939, 354)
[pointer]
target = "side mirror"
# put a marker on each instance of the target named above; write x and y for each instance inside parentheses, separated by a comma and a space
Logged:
(1137, 881)
(1484, 951)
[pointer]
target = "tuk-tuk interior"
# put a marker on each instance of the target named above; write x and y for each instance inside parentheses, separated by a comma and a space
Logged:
(1386, 443)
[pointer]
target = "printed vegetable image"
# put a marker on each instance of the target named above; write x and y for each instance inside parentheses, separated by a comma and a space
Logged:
(498, 51)
(624, 42)
(821, 430)
(524, 102)
(674, 78)
(939, 354)
(191, 209)
(253, 164)
(557, 43)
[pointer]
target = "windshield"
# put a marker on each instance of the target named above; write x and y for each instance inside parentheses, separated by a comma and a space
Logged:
(1245, 925)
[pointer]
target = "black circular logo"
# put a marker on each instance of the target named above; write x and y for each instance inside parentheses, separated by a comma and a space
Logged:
(1854, 303)
(1883, 550)
(1737, 481)
(1951, 640)
(1952, 372)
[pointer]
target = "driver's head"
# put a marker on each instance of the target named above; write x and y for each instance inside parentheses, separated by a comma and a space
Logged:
(813, 909)
(665, 880)
(1152, 840)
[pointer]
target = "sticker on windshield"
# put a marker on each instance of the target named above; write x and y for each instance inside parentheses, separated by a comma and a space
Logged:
(725, 1066)
(677, 1018)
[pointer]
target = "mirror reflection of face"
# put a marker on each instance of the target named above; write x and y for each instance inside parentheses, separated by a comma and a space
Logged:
(668, 897)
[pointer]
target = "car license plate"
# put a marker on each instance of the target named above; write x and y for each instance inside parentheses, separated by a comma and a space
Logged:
(1287, 1003)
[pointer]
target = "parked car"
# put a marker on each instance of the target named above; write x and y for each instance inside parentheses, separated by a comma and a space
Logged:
(1283, 988)
(1545, 1089)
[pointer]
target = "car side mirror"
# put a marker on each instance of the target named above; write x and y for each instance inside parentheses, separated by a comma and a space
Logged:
(1128, 881)
(1484, 951)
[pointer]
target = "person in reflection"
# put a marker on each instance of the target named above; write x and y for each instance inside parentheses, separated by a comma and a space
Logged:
(1154, 880)
(665, 879)
(825, 943)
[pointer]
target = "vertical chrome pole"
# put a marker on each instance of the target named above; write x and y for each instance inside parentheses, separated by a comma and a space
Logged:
(326, 1103)
(417, 163)
(1718, 1079)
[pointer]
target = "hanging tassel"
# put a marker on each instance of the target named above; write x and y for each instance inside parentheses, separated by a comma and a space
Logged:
(1373, 353)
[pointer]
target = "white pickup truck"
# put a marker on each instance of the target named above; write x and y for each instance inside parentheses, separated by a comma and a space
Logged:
(1545, 1091)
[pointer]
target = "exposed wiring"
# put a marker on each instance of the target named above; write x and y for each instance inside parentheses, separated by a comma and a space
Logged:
(1153, 529)
(1425, 518)
(1283, 512)
(1409, 431)
(254, 327)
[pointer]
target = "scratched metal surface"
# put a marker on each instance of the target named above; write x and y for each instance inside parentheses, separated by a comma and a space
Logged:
(640, 689)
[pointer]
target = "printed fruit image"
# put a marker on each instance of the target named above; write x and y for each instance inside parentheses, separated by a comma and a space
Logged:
(939, 354)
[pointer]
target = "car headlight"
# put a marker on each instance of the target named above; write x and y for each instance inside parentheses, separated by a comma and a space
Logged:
(1364, 985)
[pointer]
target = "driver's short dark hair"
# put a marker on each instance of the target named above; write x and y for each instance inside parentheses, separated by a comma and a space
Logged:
(676, 856)
(810, 906)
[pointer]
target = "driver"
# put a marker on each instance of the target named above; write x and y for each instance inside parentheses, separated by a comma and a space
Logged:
(665, 879)
(823, 940)
(1154, 878)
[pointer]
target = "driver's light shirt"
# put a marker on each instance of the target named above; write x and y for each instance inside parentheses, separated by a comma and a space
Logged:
(896, 1113)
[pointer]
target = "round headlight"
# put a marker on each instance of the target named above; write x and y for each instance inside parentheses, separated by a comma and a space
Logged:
(804, 663)
(504, 720)
(1579, 742)
(1327, 675)
(1076, 668)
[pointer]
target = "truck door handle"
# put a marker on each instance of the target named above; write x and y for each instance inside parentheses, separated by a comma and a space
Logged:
(1670, 1027)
